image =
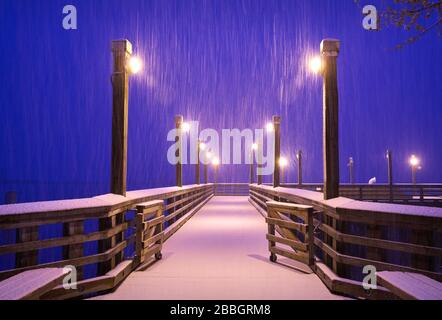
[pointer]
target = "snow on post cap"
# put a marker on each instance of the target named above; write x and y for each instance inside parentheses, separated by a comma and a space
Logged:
(122, 45)
(330, 47)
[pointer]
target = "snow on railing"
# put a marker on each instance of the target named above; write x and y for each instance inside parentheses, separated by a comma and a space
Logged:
(94, 235)
(352, 235)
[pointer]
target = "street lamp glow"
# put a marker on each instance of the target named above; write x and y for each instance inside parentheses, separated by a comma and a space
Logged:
(270, 127)
(215, 162)
(414, 161)
(208, 154)
(255, 146)
(135, 65)
(315, 64)
(185, 127)
(283, 162)
(202, 146)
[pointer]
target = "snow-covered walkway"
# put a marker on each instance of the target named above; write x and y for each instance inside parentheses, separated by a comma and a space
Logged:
(221, 253)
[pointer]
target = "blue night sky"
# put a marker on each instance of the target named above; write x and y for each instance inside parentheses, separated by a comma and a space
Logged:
(228, 64)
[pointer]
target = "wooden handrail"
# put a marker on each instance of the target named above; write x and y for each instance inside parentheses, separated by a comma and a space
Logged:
(350, 234)
(117, 229)
(427, 194)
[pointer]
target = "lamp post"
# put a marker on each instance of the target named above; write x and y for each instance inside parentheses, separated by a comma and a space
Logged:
(328, 66)
(202, 147)
(282, 162)
(124, 64)
(276, 120)
(197, 166)
(215, 163)
(252, 169)
(414, 163)
(350, 165)
(179, 120)
(389, 157)
(390, 173)
(208, 155)
(299, 158)
(259, 150)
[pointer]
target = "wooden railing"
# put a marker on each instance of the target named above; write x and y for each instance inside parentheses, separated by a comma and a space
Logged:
(231, 189)
(414, 194)
(106, 223)
(294, 224)
(353, 234)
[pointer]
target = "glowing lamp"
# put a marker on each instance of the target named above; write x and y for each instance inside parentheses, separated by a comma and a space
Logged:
(135, 65)
(315, 64)
(215, 162)
(283, 162)
(414, 161)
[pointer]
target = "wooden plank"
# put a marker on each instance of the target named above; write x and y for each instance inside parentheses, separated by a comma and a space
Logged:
(107, 244)
(94, 285)
(156, 238)
(381, 266)
(30, 285)
(298, 256)
(105, 256)
(73, 250)
(150, 206)
(301, 227)
(349, 287)
(56, 242)
(29, 257)
(410, 286)
(298, 245)
(153, 222)
(381, 243)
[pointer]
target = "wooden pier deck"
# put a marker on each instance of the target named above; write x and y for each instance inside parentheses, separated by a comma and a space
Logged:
(221, 253)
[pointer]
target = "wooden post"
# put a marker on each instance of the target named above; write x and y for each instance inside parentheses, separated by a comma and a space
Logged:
(121, 49)
(330, 51)
(413, 174)
(205, 173)
(350, 168)
(299, 157)
(390, 167)
(276, 171)
(252, 169)
(106, 244)
(179, 119)
(73, 250)
(197, 167)
(390, 173)
(259, 164)
(215, 178)
(27, 258)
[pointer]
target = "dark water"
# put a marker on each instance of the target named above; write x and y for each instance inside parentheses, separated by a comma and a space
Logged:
(225, 63)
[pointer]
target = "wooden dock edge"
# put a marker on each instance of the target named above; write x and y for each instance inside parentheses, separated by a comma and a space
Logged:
(348, 287)
(113, 278)
(336, 284)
